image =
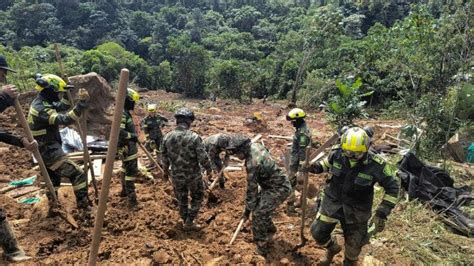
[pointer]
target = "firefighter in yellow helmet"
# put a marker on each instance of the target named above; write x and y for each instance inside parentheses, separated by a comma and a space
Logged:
(349, 194)
(47, 113)
(301, 140)
(127, 149)
(152, 125)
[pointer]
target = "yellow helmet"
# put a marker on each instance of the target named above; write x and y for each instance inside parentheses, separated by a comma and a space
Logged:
(295, 113)
(50, 80)
(151, 108)
(355, 140)
(133, 95)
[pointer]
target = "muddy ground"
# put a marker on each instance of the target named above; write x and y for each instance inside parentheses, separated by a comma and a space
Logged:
(153, 234)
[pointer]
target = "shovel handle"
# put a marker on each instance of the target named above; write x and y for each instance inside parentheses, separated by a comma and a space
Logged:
(150, 157)
(237, 231)
(36, 152)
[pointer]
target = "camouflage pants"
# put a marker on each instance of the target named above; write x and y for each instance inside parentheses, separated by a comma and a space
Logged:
(67, 168)
(7, 237)
(354, 234)
(217, 161)
(268, 201)
(182, 188)
(129, 156)
(294, 181)
(153, 145)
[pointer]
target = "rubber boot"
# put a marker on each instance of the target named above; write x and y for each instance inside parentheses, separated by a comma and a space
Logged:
(262, 248)
(331, 251)
(10, 245)
(189, 225)
(222, 182)
(84, 211)
(348, 262)
(272, 229)
(53, 206)
(291, 209)
(132, 200)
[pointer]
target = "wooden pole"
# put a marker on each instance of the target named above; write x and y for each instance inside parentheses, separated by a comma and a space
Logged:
(237, 231)
(150, 157)
(81, 126)
(109, 165)
(36, 152)
(304, 197)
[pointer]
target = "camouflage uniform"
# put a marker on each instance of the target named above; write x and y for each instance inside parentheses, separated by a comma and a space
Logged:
(7, 238)
(6, 137)
(301, 140)
(128, 153)
(152, 125)
(183, 150)
(275, 188)
(216, 144)
(44, 121)
(348, 198)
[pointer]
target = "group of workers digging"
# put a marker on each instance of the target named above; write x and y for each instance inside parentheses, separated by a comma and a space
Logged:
(347, 197)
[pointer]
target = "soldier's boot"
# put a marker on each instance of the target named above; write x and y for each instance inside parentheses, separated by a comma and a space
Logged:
(189, 225)
(262, 248)
(222, 181)
(53, 206)
(10, 245)
(84, 211)
(132, 200)
(348, 262)
(331, 251)
(272, 229)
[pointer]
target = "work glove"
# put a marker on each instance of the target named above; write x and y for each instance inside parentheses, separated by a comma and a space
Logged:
(83, 95)
(246, 213)
(31, 146)
(10, 90)
(379, 223)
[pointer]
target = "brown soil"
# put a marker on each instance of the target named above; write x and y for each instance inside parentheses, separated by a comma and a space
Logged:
(154, 234)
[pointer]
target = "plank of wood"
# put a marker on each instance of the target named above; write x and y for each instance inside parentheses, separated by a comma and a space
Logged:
(256, 138)
(280, 137)
(23, 191)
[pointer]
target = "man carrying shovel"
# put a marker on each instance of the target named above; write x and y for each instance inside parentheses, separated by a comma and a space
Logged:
(8, 93)
(44, 120)
(263, 172)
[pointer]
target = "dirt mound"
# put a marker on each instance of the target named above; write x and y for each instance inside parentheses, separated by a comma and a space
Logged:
(100, 101)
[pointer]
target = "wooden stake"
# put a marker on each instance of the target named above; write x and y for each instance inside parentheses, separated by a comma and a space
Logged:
(81, 125)
(150, 157)
(237, 231)
(109, 165)
(304, 196)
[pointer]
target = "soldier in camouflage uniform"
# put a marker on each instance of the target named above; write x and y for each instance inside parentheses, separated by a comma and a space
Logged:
(127, 149)
(152, 125)
(44, 121)
(263, 172)
(349, 194)
(11, 250)
(215, 145)
(301, 140)
(183, 151)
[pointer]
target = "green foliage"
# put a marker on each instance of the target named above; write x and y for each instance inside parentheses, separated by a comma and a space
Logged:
(348, 104)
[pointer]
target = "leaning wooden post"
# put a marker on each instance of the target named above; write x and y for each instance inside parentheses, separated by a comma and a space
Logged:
(109, 164)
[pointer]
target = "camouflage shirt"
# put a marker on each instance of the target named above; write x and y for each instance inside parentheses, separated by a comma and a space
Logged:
(262, 171)
(127, 129)
(152, 126)
(301, 140)
(351, 186)
(183, 150)
(216, 144)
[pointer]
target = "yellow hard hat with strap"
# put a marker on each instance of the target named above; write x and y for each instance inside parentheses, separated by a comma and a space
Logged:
(50, 81)
(355, 139)
(295, 113)
(133, 95)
